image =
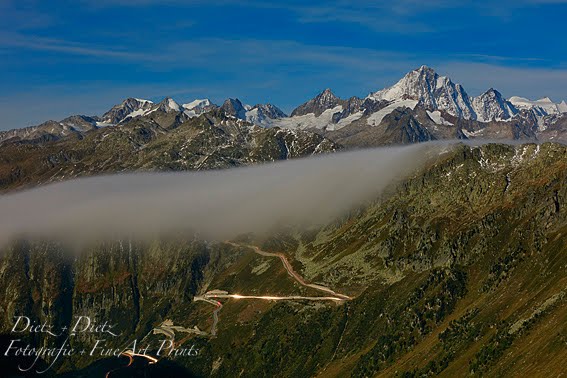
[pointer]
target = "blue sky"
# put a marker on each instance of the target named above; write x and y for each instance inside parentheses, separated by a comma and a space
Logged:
(59, 58)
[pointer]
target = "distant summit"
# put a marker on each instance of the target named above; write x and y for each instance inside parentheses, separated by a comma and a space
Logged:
(323, 101)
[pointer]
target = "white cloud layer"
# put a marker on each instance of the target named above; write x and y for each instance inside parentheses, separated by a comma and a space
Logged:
(214, 204)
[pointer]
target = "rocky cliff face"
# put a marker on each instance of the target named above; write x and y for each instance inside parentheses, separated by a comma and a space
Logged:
(233, 107)
(398, 127)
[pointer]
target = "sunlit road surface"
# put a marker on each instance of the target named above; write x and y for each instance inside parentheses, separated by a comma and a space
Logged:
(291, 272)
(273, 298)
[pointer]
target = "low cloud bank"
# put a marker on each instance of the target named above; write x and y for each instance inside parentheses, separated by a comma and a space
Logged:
(214, 204)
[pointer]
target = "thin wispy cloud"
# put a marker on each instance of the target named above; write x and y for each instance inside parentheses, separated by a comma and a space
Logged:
(32, 42)
(499, 58)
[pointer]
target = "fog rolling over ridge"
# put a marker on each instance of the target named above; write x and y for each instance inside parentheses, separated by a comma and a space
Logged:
(214, 204)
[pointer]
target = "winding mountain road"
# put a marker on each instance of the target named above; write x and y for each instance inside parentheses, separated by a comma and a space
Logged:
(290, 270)
(334, 296)
(205, 298)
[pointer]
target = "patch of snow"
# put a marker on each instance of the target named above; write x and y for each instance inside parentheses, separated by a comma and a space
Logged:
(152, 110)
(309, 121)
(143, 101)
(348, 120)
(375, 118)
(471, 134)
(253, 117)
(519, 155)
(441, 81)
(437, 118)
(173, 105)
(544, 105)
(198, 103)
(135, 113)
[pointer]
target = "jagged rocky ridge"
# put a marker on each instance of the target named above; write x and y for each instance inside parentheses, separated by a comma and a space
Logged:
(449, 113)
(446, 103)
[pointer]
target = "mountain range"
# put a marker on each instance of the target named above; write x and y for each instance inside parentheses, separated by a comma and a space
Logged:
(456, 270)
(421, 106)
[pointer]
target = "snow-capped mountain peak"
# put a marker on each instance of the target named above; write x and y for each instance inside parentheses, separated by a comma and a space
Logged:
(142, 101)
(197, 107)
(323, 101)
(433, 91)
(264, 114)
(326, 97)
(491, 106)
(171, 105)
(259, 114)
(198, 103)
(542, 107)
(234, 107)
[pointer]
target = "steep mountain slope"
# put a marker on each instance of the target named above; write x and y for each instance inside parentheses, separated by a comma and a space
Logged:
(433, 91)
(491, 106)
(233, 107)
(397, 126)
(459, 270)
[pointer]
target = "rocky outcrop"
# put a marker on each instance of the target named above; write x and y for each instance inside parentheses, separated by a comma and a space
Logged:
(119, 112)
